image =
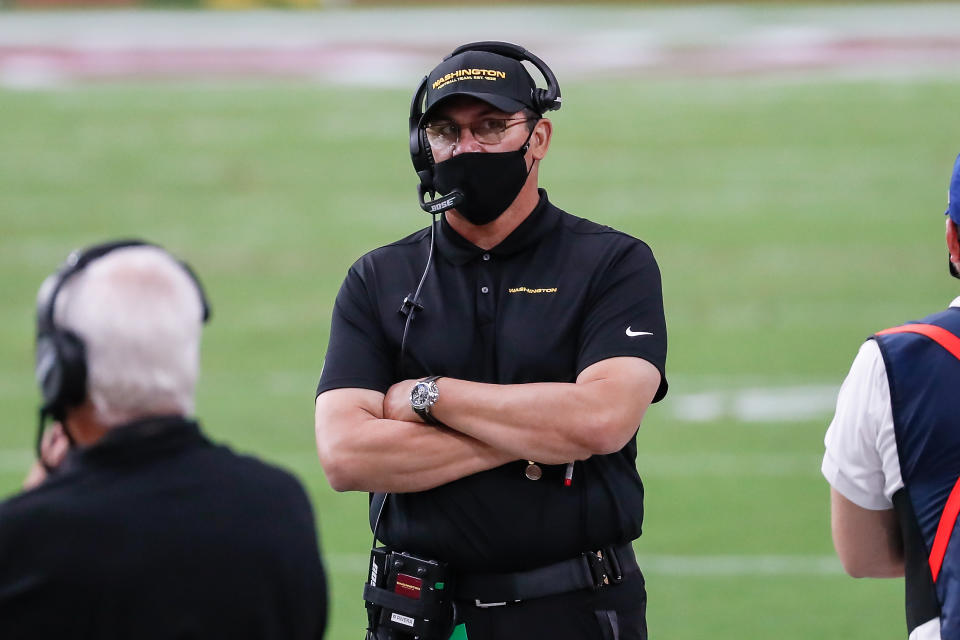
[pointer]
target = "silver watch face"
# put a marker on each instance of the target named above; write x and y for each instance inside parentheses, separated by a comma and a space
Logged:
(424, 395)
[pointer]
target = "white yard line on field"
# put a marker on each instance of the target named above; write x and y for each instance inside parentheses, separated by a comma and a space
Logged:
(729, 465)
(746, 401)
(756, 404)
(671, 565)
(740, 565)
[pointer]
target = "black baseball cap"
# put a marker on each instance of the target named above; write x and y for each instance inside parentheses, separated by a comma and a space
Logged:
(497, 80)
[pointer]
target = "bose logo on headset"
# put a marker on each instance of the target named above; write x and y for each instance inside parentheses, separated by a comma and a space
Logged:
(537, 99)
(443, 205)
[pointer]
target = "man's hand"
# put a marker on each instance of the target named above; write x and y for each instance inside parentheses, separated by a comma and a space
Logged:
(53, 449)
(396, 404)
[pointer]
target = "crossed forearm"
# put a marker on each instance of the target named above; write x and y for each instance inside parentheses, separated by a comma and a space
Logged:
(550, 422)
(368, 441)
(360, 451)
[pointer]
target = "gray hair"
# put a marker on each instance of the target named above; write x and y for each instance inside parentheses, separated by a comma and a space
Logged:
(139, 315)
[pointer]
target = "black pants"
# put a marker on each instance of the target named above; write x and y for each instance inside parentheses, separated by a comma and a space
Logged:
(615, 612)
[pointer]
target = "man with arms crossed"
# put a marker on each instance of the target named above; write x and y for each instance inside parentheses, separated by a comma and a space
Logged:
(500, 419)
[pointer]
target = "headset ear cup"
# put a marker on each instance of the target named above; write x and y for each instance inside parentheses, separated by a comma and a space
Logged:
(72, 357)
(424, 161)
(49, 373)
(540, 100)
(416, 147)
(427, 152)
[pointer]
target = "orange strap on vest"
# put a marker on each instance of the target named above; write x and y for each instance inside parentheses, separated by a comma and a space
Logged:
(948, 518)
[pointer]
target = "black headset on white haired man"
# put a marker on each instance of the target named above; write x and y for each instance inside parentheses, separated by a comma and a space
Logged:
(541, 100)
(61, 362)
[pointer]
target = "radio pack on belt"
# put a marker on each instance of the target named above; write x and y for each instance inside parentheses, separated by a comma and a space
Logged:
(408, 597)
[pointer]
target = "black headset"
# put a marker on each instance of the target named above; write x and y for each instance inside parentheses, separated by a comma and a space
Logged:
(61, 363)
(541, 100)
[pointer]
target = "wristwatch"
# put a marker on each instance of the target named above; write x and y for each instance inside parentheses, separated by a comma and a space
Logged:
(423, 396)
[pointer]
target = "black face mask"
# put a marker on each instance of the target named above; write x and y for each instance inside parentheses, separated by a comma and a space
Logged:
(490, 182)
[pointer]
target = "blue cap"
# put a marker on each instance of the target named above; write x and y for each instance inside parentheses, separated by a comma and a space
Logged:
(953, 194)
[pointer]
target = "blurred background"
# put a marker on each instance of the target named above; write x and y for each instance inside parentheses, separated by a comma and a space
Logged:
(786, 162)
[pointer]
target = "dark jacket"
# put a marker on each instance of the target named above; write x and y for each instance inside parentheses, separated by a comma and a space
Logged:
(154, 532)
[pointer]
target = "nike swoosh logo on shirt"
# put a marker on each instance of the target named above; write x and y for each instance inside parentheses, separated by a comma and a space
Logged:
(638, 333)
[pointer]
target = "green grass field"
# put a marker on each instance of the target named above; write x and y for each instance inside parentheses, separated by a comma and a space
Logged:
(790, 220)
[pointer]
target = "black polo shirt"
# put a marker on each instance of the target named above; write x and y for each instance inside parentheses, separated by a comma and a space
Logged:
(155, 532)
(559, 294)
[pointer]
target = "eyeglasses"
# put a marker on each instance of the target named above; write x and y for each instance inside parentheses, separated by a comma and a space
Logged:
(444, 135)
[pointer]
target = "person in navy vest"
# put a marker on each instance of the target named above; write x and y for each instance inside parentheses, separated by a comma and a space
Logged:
(893, 459)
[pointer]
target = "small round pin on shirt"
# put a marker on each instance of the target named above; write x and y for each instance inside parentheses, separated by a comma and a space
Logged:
(533, 471)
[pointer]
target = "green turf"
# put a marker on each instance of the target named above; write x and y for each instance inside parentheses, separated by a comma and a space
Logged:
(790, 220)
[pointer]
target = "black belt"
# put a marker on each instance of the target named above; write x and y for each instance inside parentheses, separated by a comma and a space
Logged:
(589, 570)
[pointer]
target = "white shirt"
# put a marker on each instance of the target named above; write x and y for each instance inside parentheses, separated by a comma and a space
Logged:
(861, 459)
(861, 450)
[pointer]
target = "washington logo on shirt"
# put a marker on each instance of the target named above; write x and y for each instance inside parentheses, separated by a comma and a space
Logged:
(529, 290)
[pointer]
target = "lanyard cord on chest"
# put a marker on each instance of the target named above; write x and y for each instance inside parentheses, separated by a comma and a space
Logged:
(411, 303)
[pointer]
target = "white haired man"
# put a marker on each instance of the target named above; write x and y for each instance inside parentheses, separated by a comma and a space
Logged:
(144, 528)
